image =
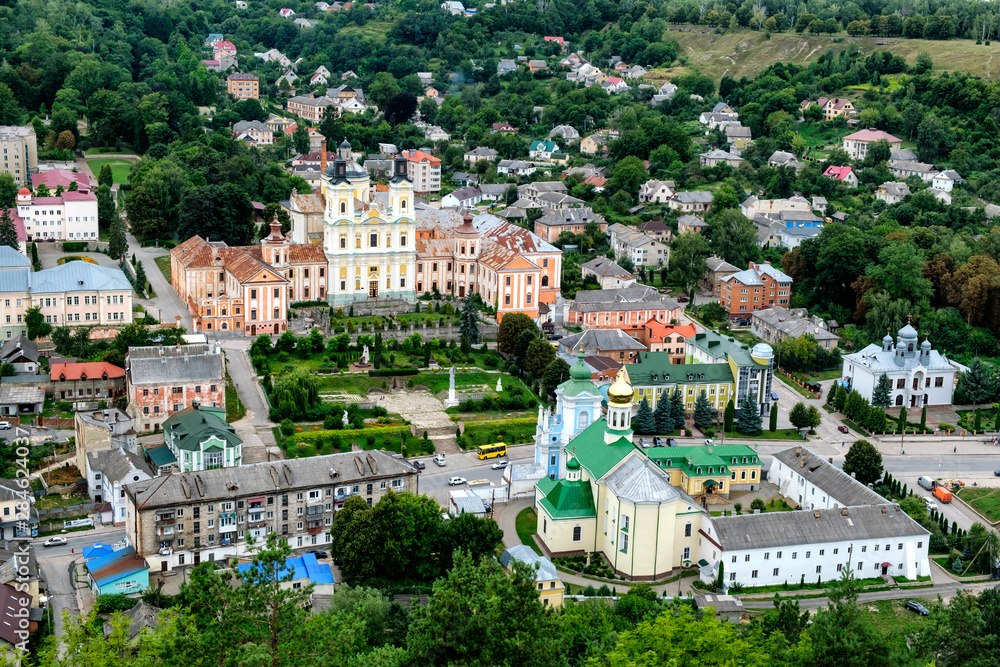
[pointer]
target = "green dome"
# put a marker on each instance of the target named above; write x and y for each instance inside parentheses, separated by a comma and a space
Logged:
(572, 464)
(579, 371)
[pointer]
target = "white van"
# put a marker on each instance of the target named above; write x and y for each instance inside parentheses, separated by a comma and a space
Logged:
(926, 482)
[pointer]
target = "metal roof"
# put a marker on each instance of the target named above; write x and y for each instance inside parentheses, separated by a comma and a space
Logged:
(785, 529)
(836, 483)
(564, 499)
(656, 369)
(305, 566)
(522, 553)
(78, 277)
(637, 480)
(601, 339)
(116, 565)
(161, 365)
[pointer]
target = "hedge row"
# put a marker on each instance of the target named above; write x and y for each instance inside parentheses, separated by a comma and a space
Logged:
(389, 372)
(349, 435)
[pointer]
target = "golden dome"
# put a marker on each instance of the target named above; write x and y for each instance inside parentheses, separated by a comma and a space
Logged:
(620, 392)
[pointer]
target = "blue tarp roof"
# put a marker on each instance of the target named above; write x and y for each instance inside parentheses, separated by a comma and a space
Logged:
(304, 567)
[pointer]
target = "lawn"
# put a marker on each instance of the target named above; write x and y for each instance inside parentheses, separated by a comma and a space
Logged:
(55, 501)
(780, 434)
(983, 500)
(946, 563)
(804, 392)
(526, 525)
(235, 410)
(820, 376)
(114, 151)
(817, 136)
(119, 168)
(893, 618)
(360, 384)
(163, 263)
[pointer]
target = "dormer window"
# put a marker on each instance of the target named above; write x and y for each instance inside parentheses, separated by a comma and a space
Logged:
(62, 378)
(83, 376)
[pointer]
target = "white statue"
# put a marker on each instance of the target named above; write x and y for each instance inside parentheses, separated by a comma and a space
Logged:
(364, 356)
(344, 420)
(452, 398)
(499, 385)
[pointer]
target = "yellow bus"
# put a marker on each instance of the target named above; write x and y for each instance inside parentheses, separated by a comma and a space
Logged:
(491, 451)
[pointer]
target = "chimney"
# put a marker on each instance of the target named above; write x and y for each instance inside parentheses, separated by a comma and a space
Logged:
(798, 451)
(816, 513)
(843, 512)
(322, 156)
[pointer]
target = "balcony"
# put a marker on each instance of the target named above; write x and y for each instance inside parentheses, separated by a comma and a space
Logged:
(165, 532)
(165, 520)
(227, 528)
(315, 531)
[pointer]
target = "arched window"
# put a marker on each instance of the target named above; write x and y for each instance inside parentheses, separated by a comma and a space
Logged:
(343, 207)
(614, 419)
(899, 400)
(583, 420)
(343, 241)
(402, 205)
(909, 348)
(357, 241)
(545, 281)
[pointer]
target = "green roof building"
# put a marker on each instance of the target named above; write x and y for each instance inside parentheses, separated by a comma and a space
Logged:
(752, 368)
(652, 374)
(200, 439)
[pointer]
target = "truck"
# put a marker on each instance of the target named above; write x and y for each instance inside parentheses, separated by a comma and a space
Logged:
(942, 494)
(926, 482)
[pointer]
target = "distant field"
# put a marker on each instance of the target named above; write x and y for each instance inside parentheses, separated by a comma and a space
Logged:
(747, 53)
(119, 168)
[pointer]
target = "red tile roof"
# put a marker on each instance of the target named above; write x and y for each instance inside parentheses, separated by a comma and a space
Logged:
(420, 156)
(56, 177)
(80, 371)
(837, 173)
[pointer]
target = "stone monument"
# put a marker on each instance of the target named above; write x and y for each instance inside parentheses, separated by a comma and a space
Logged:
(452, 398)
(499, 384)
(345, 420)
(364, 357)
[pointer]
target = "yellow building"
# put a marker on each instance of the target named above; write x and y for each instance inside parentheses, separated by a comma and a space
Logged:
(550, 587)
(654, 374)
(616, 501)
(708, 469)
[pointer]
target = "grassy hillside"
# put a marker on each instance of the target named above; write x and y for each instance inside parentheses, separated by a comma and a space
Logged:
(747, 53)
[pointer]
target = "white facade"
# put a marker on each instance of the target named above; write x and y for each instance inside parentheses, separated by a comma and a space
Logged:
(919, 375)
(70, 216)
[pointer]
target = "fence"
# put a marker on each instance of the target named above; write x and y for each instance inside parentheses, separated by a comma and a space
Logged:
(55, 422)
(70, 510)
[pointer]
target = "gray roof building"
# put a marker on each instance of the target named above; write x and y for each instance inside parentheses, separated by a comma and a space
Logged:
(604, 267)
(816, 470)
(182, 363)
(545, 570)
(639, 480)
(598, 341)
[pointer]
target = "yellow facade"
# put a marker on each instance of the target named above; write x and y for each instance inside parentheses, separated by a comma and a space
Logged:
(718, 394)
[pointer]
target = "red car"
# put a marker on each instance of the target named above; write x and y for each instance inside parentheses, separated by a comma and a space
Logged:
(843, 429)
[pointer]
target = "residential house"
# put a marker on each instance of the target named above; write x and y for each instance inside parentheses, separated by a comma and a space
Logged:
(464, 198)
(537, 65)
(22, 354)
(423, 170)
(453, 7)
(691, 202)
(503, 127)
(274, 56)
(505, 264)
(777, 323)
(752, 367)
(941, 195)
(593, 144)
(494, 192)
(644, 250)
(752, 207)
(286, 12)
(74, 293)
(787, 228)
(69, 215)
(306, 23)
(480, 153)
(277, 124)
(614, 85)
(163, 380)
(550, 587)
(253, 132)
(856, 144)
(349, 74)
(100, 430)
(617, 308)
(316, 140)
(819, 204)
(223, 47)
(665, 337)
(436, 133)
(243, 86)
(785, 159)
(506, 66)
(903, 155)
(108, 470)
(320, 78)
(564, 132)
(758, 287)
(612, 343)
(690, 223)
(658, 192)
(18, 515)
(289, 77)
(609, 275)
(516, 168)
(833, 107)
(843, 174)
(635, 72)
(555, 221)
(535, 191)
(86, 381)
(892, 192)
(462, 178)
(200, 439)
(657, 230)
(739, 138)
(716, 157)
(665, 93)
(184, 518)
(572, 60)
(925, 172)
(718, 270)
(542, 150)
(558, 40)
(946, 180)
(122, 571)
(918, 374)
(718, 120)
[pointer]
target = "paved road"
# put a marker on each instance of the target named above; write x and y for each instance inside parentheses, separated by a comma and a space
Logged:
(434, 479)
(946, 591)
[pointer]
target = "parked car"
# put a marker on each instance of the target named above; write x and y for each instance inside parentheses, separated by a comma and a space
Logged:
(671, 442)
(500, 465)
(915, 606)
(318, 553)
(456, 481)
(4, 426)
(996, 473)
(931, 505)
(54, 542)
(555, 336)
(682, 299)
(774, 396)
(419, 465)
(439, 459)
(843, 429)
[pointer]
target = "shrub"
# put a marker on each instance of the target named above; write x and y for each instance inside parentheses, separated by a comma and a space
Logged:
(109, 604)
(287, 427)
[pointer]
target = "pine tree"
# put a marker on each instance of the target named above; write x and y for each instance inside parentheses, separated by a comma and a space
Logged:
(105, 176)
(977, 424)
(702, 411)
(748, 419)
(729, 415)
(118, 244)
(677, 408)
(882, 396)
(663, 415)
(902, 418)
(643, 423)
(469, 320)
(8, 233)
(140, 280)
(772, 425)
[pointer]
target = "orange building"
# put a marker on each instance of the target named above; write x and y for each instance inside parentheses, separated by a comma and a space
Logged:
(247, 288)
(658, 336)
(757, 288)
(624, 308)
(243, 86)
(508, 266)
